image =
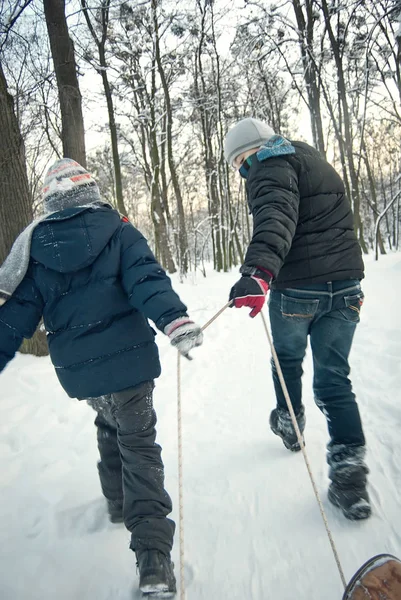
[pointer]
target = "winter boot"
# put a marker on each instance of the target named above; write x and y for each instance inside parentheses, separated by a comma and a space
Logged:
(348, 474)
(115, 509)
(156, 575)
(281, 425)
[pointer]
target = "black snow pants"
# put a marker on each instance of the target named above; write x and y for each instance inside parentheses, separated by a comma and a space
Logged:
(131, 468)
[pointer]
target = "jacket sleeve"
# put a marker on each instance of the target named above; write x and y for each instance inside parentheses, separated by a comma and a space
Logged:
(273, 198)
(19, 318)
(148, 287)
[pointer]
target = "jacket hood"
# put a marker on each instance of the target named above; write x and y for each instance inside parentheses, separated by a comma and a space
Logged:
(73, 238)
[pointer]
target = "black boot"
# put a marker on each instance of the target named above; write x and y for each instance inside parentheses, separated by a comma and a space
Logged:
(115, 509)
(156, 575)
(281, 425)
(348, 474)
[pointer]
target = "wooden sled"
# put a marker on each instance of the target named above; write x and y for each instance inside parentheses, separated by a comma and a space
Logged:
(378, 579)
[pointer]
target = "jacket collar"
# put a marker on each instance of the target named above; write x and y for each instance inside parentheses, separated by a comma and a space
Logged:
(246, 165)
(276, 146)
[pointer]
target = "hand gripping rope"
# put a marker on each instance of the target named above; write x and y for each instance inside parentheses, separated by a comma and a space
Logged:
(300, 440)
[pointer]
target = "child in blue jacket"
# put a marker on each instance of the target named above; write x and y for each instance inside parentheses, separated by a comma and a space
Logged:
(92, 277)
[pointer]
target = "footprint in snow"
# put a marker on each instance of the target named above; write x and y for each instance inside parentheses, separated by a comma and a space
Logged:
(83, 519)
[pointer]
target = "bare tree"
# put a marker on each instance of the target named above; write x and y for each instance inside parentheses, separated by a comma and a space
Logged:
(62, 48)
(101, 67)
(182, 233)
(336, 44)
(15, 200)
(207, 118)
(134, 49)
(306, 17)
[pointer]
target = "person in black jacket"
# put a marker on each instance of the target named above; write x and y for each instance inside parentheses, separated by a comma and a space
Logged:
(304, 250)
(93, 278)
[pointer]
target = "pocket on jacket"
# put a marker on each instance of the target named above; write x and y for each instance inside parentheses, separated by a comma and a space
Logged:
(299, 309)
(352, 308)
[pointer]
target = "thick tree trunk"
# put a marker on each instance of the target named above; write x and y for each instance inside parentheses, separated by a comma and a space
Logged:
(15, 201)
(73, 134)
(15, 205)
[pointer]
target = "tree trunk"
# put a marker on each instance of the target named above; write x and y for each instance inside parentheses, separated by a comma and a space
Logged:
(158, 215)
(223, 182)
(183, 238)
(101, 46)
(305, 30)
(114, 138)
(355, 195)
(209, 159)
(373, 195)
(73, 134)
(15, 201)
(145, 100)
(15, 205)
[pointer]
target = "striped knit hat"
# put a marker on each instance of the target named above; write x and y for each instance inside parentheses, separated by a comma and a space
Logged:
(68, 184)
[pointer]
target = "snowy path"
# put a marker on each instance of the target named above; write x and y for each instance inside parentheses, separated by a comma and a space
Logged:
(252, 526)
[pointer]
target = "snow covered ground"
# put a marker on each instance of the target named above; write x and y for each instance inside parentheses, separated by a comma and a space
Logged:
(252, 526)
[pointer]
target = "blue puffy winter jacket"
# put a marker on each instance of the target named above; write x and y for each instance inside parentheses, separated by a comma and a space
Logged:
(95, 281)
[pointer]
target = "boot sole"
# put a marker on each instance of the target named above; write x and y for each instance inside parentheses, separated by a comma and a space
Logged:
(154, 587)
(357, 512)
(157, 591)
(168, 594)
(293, 447)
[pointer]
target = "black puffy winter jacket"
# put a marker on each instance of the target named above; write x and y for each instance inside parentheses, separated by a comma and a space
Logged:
(303, 230)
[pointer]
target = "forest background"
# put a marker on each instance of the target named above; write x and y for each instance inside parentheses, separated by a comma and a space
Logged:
(142, 93)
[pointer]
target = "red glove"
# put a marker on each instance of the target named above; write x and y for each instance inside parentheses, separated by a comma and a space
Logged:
(249, 291)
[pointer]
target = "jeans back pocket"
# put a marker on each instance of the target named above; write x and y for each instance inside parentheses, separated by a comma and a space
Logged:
(298, 308)
(353, 305)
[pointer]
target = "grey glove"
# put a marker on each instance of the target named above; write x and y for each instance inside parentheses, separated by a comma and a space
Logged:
(184, 335)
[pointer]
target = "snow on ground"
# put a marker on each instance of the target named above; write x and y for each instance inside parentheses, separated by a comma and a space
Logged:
(252, 525)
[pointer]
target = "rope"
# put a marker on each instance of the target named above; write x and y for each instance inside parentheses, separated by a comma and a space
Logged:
(300, 440)
(206, 325)
(180, 459)
(180, 479)
(302, 444)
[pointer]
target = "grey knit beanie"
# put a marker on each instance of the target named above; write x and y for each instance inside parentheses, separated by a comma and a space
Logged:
(68, 184)
(246, 134)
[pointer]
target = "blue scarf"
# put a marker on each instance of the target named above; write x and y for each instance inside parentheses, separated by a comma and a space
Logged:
(276, 146)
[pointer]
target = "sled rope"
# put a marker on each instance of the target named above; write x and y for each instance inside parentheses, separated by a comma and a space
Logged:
(180, 479)
(300, 440)
(180, 461)
(301, 443)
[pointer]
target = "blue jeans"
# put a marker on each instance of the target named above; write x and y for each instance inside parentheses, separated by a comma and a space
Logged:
(328, 313)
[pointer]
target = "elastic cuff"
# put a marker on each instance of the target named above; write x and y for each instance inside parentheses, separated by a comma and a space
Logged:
(173, 325)
(260, 272)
